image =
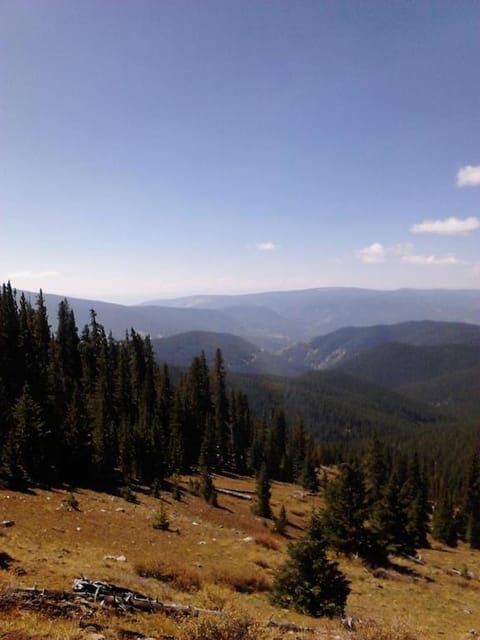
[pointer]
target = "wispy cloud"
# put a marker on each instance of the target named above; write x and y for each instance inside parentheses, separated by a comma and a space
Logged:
(376, 253)
(266, 246)
(447, 227)
(432, 260)
(469, 176)
(33, 275)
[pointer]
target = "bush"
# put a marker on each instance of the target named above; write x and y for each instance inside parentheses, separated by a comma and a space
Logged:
(127, 494)
(160, 519)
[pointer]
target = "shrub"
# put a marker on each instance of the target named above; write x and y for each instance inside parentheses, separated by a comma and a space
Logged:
(127, 494)
(72, 503)
(160, 519)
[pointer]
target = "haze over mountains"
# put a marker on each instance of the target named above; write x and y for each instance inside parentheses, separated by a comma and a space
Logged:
(275, 320)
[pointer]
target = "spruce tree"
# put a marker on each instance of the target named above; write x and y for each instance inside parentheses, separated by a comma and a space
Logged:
(375, 471)
(308, 477)
(308, 582)
(389, 521)
(344, 513)
(221, 410)
(261, 506)
(443, 521)
(471, 510)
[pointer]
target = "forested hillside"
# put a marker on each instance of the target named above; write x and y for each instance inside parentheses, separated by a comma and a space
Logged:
(84, 408)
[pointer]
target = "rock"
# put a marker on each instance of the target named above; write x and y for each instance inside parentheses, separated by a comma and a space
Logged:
(7, 523)
(120, 509)
(121, 558)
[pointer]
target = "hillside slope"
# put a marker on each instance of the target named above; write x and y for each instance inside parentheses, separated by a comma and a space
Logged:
(221, 559)
(239, 355)
(339, 346)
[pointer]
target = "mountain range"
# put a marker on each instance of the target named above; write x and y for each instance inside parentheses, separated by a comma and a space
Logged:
(276, 320)
(341, 334)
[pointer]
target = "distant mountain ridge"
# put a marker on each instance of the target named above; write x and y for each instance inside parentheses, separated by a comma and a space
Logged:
(239, 355)
(333, 349)
(319, 311)
(275, 320)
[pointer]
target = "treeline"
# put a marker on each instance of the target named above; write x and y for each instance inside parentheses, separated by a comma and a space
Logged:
(381, 502)
(87, 409)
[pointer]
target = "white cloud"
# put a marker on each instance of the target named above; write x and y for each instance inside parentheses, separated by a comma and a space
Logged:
(432, 260)
(376, 253)
(266, 246)
(33, 275)
(468, 176)
(448, 227)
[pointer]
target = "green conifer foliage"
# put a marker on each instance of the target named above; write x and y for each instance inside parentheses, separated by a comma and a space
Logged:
(261, 506)
(443, 521)
(389, 520)
(472, 503)
(308, 582)
(308, 477)
(280, 522)
(344, 514)
(221, 410)
(375, 471)
(414, 495)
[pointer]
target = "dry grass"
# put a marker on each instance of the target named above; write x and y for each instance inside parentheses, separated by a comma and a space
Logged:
(243, 581)
(218, 559)
(267, 542)
(180, 578)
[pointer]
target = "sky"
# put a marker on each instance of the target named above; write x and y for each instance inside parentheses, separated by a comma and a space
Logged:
(150, 149)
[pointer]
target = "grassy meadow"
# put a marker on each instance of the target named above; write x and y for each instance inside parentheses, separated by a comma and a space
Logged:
(219, 558)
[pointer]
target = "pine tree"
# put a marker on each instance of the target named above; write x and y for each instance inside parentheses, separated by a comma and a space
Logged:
(471, 510)
(443, 521)
(207, 488)
(308, 582)
(375, 471)
(242, 429)
(344, 514)
(297, 448)
(261, 506)
(280, 522)
(389, 521)
(414, 496)
(221, 410)
(308, 477)
(176, 444)
(27, 447)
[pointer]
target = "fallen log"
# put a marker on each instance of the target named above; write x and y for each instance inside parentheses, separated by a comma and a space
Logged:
(290, 626)
(235, 494)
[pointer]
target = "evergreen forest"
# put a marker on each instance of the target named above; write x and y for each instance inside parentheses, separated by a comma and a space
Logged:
(84, 409)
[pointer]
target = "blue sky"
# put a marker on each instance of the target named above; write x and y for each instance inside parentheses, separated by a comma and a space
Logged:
(155, 148)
